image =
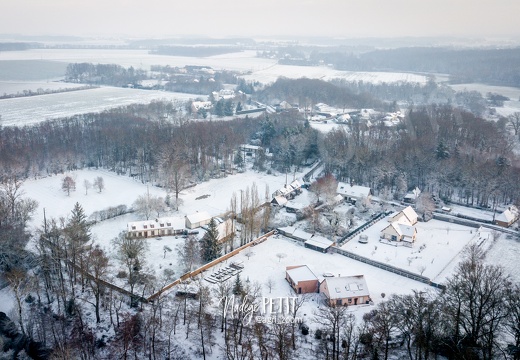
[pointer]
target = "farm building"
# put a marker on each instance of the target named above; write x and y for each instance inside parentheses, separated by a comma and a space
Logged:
(346, 290)
(318, 243)
(353, 192)
(197, 220)
(155, 227)
(508, 217)
(301, 279)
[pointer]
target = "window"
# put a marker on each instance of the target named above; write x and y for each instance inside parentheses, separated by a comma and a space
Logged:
(145, 226)
(394, 238)
(338, 302)
(162, 225)
(140, 233)
(152, 226)
(133, 227)
(349, 301)
(169, 224)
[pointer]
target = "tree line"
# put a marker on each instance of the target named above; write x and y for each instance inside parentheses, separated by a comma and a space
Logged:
(447, 152)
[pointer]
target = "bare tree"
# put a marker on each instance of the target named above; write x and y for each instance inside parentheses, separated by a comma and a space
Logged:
(514, 121)
(99, 183)
(147, 205)
(87, 185)
(270, 284)
(68, 184)
(280, 256)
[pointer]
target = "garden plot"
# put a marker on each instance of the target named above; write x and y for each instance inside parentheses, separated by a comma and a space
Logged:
(434, 254)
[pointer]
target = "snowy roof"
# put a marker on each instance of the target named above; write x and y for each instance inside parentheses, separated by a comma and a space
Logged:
(287, 230)
(410, 213)
(280, 200)
(225, 229)
(507, 216)
(406, 230)
(353, 191)
(300, 234)
(198, 217)
(346, 286)
(159, 223)
(301, 273)
(250, 147)
(296, 184)
(319, 242)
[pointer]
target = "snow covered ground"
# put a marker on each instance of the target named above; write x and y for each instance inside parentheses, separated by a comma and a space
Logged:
(34, 109)
(124, 190)
(264, 264)
(142, 59)
(511, 106)
(270, 74)
(14, 87)
(441, 243)
(505, 252)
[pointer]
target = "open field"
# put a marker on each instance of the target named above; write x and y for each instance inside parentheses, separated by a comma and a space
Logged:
(15, 87)
(34, 109)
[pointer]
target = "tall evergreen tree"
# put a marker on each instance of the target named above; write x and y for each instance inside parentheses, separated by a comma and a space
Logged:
(210, 247)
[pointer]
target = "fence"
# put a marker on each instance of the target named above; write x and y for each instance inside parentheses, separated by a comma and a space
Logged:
(473, 223)
(390, 268)
(209, 265)
(359, 229)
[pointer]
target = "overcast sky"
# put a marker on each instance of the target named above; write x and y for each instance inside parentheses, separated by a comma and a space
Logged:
(221, 18)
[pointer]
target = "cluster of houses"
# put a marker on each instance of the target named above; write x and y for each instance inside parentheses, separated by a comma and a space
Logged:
(282, 196)
(338, 291)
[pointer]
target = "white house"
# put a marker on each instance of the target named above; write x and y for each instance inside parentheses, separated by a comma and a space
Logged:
(198, 105)
(400, 232)
(198, 219)
(407, 215)
(353, 192)
(155, 227)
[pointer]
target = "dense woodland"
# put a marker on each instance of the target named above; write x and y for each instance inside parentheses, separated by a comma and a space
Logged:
(490, 66)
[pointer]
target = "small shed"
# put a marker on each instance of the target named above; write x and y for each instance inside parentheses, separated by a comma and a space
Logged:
(318, 243)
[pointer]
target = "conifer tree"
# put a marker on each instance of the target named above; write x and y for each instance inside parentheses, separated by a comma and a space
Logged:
(210, 246)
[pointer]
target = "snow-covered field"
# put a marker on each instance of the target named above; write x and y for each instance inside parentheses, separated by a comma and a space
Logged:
(123, 190)
(14, 87)
(241, 61)
(270, 74)
(34, 109)
(511, 106)
(505, 252)
(442, 244)
(255, 68)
